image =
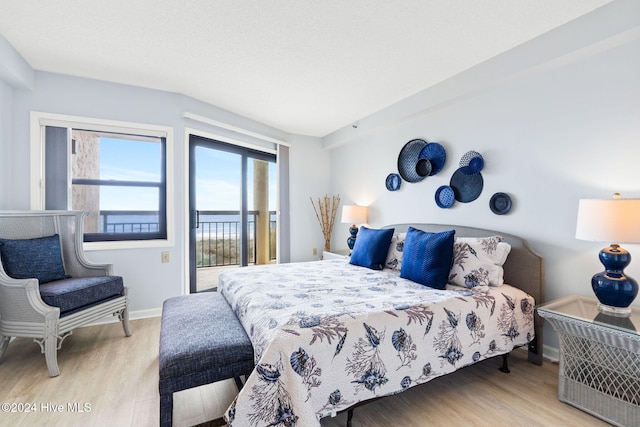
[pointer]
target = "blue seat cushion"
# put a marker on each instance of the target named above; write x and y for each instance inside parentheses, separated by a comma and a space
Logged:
(75, 293)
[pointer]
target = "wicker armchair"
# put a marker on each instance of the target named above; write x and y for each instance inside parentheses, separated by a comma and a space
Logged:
(86, 292)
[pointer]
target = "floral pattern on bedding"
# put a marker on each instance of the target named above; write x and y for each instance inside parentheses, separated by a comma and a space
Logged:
(477, 261)
(328, 334)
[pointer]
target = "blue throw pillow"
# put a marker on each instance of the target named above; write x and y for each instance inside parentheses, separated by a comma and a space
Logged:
(371, 247)
(427, 257)
(38, 258)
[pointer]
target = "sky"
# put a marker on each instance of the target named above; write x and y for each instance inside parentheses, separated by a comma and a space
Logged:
(217, 181)
(122, 159)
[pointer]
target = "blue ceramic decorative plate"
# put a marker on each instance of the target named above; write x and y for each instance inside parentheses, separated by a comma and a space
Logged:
(444, 197)
(408, 160)
(436, 154)
(471, 163)
(393, 182)
(500, 203)
(466, 188)
(423, 167)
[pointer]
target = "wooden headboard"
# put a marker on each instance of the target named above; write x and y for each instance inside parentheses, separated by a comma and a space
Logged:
(524, 269)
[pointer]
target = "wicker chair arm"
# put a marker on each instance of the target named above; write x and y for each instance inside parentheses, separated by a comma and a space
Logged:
(90, 267)
(20, 300)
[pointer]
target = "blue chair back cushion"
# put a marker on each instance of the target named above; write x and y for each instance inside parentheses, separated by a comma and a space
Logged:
(38, 258)
(371, 248)
(74, 294)
(427, 257)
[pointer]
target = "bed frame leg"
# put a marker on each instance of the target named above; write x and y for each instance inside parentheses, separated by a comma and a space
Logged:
(239, 382)
(349, 417)
(505, 364)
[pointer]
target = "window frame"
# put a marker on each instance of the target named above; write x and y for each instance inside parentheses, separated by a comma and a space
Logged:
(38, 123)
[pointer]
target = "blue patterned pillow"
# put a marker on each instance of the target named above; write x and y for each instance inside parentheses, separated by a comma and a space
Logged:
(427, 257)
(38, 258)
(371, 247)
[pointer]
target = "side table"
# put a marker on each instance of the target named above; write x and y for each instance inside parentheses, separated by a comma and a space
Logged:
(599, 368)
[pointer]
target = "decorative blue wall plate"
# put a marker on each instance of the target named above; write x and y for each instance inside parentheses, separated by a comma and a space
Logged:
(444, 197)
(466, 188)
(393, 182)
(436, 154)
(471, 163)
(500, 203)
(423, 167)
(408, 159)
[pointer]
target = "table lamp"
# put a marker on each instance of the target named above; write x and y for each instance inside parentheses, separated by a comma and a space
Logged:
(616, 221)
(352, 214)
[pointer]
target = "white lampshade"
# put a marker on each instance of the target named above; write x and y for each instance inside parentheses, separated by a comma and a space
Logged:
(609, 220)
(354, 214)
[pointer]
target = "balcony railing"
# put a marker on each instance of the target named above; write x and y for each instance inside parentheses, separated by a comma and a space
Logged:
(129, 221)
(217, 233)
(218, 238)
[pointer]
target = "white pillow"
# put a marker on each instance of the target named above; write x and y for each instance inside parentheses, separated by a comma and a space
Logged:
(478, 261)
(394, 256)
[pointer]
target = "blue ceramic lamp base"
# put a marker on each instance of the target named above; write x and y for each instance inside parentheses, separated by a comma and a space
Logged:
(351, 241)
(614, 290)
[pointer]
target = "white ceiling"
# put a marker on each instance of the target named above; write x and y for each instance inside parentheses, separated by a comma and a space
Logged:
(302, 66)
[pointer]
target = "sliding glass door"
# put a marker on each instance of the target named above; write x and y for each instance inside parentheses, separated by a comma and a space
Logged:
(232, 196)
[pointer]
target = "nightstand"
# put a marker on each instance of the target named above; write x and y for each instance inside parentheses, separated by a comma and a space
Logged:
(339, 254)
(599, 368)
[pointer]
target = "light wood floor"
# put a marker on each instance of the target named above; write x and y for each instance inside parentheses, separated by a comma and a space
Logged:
(117, 377)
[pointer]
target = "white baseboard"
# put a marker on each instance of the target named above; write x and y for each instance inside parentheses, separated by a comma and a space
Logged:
(133, 315)
(550, 353)
(145, 314)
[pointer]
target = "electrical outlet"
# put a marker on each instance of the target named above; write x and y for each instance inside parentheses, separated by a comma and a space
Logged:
(314, 251)
(165, 257)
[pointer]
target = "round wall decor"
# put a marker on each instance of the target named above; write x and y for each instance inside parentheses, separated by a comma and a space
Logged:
(500, 203)
(466, 188)
(408, 160)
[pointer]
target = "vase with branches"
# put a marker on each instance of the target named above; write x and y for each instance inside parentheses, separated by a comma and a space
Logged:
(326, 214)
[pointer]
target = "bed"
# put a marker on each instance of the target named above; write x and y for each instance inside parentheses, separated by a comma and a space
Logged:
(328, 335)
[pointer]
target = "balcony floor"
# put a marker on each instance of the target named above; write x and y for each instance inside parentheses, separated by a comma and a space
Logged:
(207, 277)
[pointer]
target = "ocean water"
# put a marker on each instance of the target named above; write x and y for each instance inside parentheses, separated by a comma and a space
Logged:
(222, 225)
(115, 223)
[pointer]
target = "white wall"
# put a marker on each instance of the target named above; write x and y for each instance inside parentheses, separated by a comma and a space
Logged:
(15, 74)
(550, 134)
(150, 282)
(6, 117)
(309, 175)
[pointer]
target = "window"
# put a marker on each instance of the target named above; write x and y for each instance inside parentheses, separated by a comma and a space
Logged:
(117, 174)
(232, 198)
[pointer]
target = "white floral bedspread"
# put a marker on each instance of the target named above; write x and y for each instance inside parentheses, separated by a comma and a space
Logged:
(328, 334)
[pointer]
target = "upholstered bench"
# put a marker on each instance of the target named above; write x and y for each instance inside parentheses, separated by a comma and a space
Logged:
(201, 342)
